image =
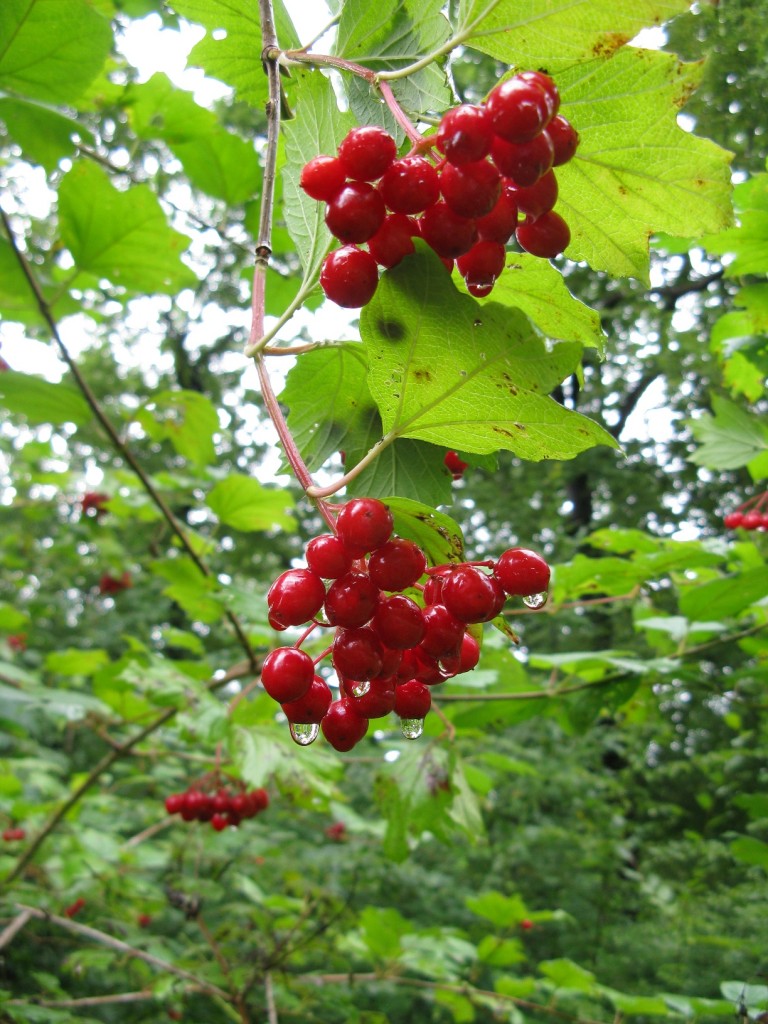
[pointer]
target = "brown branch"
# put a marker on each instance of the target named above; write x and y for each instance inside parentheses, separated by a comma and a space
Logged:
(105, 764)
(11, 930)
(86, 932)
(111, 432)
(119, 997)
(269, 996)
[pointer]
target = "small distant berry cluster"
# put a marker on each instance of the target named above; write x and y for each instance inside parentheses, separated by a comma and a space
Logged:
(496, 163)
(751, 515)
(388, 648)
(14, 835)
(455, 466)
(222, 805)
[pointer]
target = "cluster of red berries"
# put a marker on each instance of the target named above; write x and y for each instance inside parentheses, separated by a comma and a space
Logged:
(455, 466)
(14, 835)
(221, 805)
(495, 164)
(109, 584)
(751, 515)
(388, 647)
(92, 504)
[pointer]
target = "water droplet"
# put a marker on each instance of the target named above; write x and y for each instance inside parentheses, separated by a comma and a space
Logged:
(304, 734)
(535, 601)
(360, 689)
(412, 728)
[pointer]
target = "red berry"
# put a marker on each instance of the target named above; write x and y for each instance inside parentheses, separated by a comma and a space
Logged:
(465, 134)
(393, 240)
(524, 162)
(367, 152)
(74, 908)
(564, 138)
(443, 634)
(410, 185)
(174, 803)
(434, 586)
(764, 524)
(342, 726)
(364, 524)
(500, 223)
(144, 920)
(545, 83)
(526, 924)
(417, 664)
(472, 596)
(287, 674)
(94, 502)
(396, 565)
(13, 835)
(219, 822)
(258, 800)
(752, 521)
(357, 653)
(547, 236)
(412, 699)
(309, 709)
(481, 266)
(295, 597)
(337, 832)
(522, 572)
(518, 110)
(327, 556)
(446, 232)
(378, 701)
(467, 658)
(349, 277)
(355, 213)
(539, 198)
(351, 600)
(323, 177)
(399, 622)
(455, 465)
(733, 520)
(471, 190)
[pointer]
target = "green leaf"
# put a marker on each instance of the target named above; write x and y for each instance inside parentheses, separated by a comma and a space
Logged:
(729, 439)
(74, 662)
(41, 401)
(722, 598)
(45, 136)
(231, 51)
(636, 171)
(189, 587)
(555, 34)
(436, 533)
(749, 241)
(498, 952)
(318, 127)
(566, 974)
(476, 378)
(11, 619)
(185, 418)
(51, 49)
(241, 502)
(642, 1006)
(123, 236)
(381, 929)
(215, 160)
(539, 290)
(750, 850)
(503, 911)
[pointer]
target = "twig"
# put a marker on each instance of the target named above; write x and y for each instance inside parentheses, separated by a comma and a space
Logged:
(105, 764)
(118, 997)
(111, 432)
(11, 930)
(111, 942)
(269, 995)
(148, 833)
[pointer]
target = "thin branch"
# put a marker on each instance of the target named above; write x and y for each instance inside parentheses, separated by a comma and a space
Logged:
(86, 932)
(111, 432)
(269, 995)
(118, 997)
(11, 930)
(105, 764)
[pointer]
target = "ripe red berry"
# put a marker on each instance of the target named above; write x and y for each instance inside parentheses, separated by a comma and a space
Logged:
(500, 223)
(399, 622)
(174, 803)
(455, 465)
(472, 596)
(733, 520)
(410, 185)
(412, 699)
(323, 177)
(465, 134)
(526, 924)
(564, 138)
(309, 709)
(357, 653)
(144, 920)
(545, 83)
(378, 701)
(258, 800)
(327, 556)
(355, 213)
(351, 600)
(471, 190)
(396, 565)
(349, 277)
(467, 658)
(522, 572)
(524, 162)
(393, 241)
(481, 266)
(295, 597)
(287, 674)
(342, 726)
(417, 664)
(443, 633)
(446, 232)
(518, 110)
(752, 521)
(74, 908)
(539, 198)
(547, 236)
(367, 152)
(219, 822)
(364, 524)
(13, 835)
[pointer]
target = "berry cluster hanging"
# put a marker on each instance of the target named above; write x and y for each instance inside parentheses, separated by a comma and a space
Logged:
(388, 648)
(496, 164)
(222, 804)
(750, 515)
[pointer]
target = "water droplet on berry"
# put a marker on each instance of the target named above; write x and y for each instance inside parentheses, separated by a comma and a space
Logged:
(412, 728)
(360, 689)
(535, 601)
(304, 734)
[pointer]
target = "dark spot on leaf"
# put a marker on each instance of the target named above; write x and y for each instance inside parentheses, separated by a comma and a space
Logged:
(584, 431)
(502, 431)
(519, 426)
(622, 190)
(394, 330)
(609, 43)
(477, 323)
(423, 376)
